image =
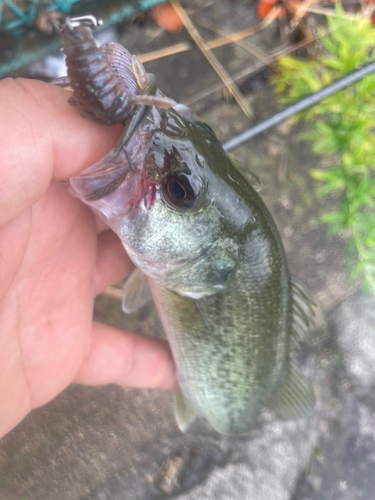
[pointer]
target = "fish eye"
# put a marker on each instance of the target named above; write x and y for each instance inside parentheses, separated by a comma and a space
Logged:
(178, 192)
(202, 125)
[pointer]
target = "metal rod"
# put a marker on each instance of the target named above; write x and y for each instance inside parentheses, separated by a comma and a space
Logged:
(301, 105)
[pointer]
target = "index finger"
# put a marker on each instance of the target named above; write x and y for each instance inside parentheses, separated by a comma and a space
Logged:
(42, 138)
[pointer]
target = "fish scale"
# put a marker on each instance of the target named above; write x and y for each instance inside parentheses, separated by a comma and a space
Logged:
(232, 363)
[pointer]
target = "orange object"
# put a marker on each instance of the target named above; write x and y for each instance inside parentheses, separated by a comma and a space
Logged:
(167, 18)
(265, 6)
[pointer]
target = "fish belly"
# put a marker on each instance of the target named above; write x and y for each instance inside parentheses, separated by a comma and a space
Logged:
(231, 356)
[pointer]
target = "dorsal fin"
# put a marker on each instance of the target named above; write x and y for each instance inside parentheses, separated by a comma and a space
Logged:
(296, 399)
(302, 310)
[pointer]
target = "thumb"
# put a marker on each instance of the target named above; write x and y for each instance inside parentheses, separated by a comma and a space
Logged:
(42, 138)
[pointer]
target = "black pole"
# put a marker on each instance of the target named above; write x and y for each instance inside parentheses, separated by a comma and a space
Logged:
(301, 105)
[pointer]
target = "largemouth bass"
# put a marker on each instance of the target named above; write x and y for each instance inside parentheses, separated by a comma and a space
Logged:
(206, 246)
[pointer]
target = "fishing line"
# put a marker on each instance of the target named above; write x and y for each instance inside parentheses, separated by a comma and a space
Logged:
(301, 105)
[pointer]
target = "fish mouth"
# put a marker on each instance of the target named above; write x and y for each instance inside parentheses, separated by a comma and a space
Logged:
(113, 186)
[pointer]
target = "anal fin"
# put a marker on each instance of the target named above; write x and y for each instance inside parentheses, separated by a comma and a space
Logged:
(136, 292)
(296, 399)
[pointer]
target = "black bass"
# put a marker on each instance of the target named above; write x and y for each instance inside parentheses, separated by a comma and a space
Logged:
(206, 246)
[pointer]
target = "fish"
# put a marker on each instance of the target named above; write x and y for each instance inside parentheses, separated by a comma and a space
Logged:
(208, 252)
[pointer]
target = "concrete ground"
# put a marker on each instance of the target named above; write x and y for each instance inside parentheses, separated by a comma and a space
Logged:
(116, 444)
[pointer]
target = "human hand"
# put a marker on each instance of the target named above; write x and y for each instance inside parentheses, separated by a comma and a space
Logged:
(54, 261)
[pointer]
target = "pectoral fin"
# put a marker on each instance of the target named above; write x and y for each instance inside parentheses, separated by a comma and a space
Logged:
(184, 411)
(136, 292)
(296, 399)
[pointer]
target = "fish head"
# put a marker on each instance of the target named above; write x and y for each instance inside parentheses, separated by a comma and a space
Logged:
(176, 209)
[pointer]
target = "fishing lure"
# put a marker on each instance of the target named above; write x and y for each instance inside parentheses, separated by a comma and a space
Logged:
(107, 81)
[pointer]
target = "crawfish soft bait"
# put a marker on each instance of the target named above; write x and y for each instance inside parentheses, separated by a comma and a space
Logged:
(107, 82)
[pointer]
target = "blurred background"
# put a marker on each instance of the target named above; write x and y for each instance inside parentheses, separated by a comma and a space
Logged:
(112, 443)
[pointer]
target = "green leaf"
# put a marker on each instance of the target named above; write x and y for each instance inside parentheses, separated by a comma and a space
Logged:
(342, 126)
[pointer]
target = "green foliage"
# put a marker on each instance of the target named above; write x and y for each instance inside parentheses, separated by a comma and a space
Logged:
(342, 126)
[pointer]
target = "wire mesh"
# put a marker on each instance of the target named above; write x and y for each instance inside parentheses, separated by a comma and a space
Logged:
(18, 14)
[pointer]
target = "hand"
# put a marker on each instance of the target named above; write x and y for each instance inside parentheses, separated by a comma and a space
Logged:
(54, 260)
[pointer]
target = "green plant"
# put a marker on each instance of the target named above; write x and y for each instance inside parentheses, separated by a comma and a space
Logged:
(343, 126)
